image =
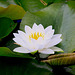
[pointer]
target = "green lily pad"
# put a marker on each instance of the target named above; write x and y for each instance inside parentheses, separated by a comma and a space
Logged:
(5, 3)
(61, 59)
(70, 69)
(31, 6)
(61, 16)
(65, 24)
(4, 51)
(13, 12)
(19, 66)
(53, 1)
(6, 27)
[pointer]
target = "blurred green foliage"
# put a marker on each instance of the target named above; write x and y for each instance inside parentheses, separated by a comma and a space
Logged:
(59, 13)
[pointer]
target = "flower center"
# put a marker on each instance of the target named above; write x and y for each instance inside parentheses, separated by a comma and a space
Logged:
(36, 35)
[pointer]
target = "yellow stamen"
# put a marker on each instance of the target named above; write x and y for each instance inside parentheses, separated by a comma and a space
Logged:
(36, 35)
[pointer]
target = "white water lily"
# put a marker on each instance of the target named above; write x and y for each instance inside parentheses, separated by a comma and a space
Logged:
(37, 39)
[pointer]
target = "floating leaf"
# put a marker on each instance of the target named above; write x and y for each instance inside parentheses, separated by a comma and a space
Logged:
(12, 11)
(5, 3)
(61, 59)
(65, 24)
(4, 51)
(46, 16)
(6, 27)
(19, 66)
(62, 17)
(70, 69)
(31, 6)
(11, 45)
(53, 1)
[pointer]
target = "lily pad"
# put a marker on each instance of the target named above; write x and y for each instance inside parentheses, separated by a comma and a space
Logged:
(6, 27)
(70, 69)
(13, 12)
(4, 51)
(31, 5)
(62, 17)
(5, 3)
(19, 66)
(53, 1)
(61, 59)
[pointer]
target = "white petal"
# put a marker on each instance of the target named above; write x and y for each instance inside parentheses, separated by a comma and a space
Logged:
(34, 26)
(57, 35)
(19, 41)
(21, 50)
(21, 33)
(54, 41)
(46, 51)
(40, 28)
(16, 35)
(28, 30)
(49, 34)
(34, 44)
(31, 47)
(57, 49)
(32, 50)
(49, 28)
(23, 36)
(40, 40)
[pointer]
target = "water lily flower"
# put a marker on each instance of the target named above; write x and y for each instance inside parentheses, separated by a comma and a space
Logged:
(37, 39)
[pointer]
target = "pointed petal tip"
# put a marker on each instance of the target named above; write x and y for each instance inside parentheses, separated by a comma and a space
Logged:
(15, 34)
(50, 26)
(48, 29)
(19, 31)
(14, 50)
(57, 49)
(13, 39)
(34, 23)
(34, 27)
(60, 40)
(26, 26)
(60, 35)
(21, 50)
(53, 30)
(40, 24)
(27, 29)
